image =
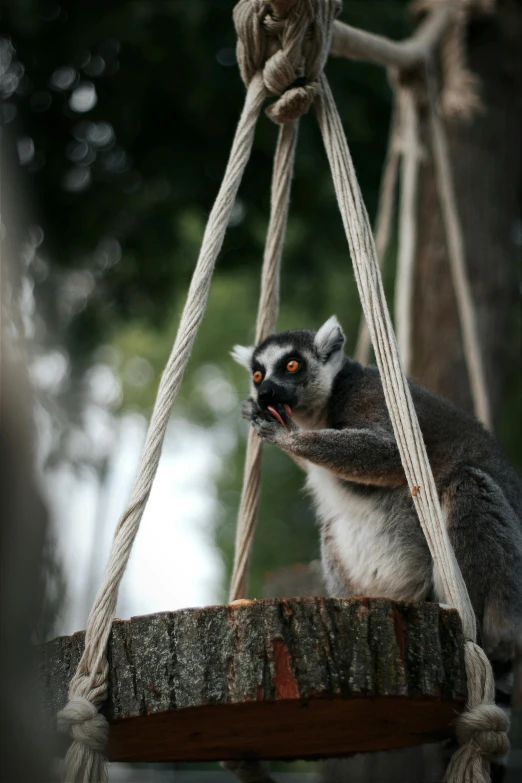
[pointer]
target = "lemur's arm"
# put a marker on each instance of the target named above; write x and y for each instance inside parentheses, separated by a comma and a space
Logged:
(299, 461)
(361, 455)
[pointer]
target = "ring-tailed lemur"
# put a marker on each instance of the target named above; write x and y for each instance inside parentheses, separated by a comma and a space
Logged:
(329, 413)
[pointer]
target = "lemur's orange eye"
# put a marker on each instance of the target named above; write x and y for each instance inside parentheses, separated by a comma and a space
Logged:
(258, 376)
(292, 366)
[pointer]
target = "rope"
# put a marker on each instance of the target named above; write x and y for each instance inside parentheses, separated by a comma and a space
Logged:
(461, 93)
(480, 724)
(395, 386)
(289, 41)
(411, 153)
(482, 729)
(302, 53)
(457, 261)
(88, 688)
(410, 149)
(266, 321)
(383, 221)
(461, 88)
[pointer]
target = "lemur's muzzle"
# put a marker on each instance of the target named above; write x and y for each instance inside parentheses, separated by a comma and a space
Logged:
(270, 393)
(276, 400)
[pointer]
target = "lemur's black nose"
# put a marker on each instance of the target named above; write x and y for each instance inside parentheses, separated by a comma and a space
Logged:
(270, 393)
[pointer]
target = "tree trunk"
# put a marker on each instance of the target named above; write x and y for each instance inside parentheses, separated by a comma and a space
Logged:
(485, 155)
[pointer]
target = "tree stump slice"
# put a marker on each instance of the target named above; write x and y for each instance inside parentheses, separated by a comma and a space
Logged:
(303, 678)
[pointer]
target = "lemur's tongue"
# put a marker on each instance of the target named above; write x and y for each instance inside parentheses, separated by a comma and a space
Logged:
(277, 415)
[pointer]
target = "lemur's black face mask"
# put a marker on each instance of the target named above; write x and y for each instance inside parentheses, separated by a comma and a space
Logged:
(277, 399)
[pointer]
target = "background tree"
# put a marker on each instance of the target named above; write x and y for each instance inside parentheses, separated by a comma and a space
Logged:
(485, 156)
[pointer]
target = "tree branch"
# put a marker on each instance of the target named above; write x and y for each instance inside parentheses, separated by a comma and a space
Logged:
(359, 45)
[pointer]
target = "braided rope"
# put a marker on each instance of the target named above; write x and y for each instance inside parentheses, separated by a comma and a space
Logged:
(410, 153)
(460, 97)
(383, 221)
(266, 319)
(457, 260)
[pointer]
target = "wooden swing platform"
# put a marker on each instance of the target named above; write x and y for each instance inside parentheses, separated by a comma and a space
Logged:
(292, 678)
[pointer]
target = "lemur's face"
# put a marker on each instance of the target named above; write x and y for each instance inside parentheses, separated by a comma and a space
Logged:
(294, 370)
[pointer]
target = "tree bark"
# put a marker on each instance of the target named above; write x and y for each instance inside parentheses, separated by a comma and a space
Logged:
(485, 156)
(420, 764)
(295, 678)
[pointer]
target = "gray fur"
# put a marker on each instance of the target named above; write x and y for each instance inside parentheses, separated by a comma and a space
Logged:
(372, 543)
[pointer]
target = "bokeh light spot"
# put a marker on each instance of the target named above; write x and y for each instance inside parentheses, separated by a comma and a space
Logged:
(83, 97)
(100, 134)
(77, 179)
(226, 56)
(25, 146)
(95, 66)
(63, 78)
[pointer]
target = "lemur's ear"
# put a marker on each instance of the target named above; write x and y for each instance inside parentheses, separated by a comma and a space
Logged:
(242, 354)
(329, 339)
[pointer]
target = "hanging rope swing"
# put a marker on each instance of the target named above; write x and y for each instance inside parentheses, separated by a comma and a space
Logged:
(282, 51)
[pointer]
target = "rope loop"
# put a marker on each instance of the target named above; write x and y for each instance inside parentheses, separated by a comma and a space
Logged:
(289, 41)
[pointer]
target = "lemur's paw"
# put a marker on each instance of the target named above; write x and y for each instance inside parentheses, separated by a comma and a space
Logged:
(270, 430)
(251, 409)
(267, 427)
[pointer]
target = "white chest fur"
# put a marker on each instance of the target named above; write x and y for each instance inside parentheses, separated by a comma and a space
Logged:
(370, 540)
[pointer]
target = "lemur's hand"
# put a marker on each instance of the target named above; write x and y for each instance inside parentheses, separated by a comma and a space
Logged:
(251, 410)
(266, 426)
(272, 431)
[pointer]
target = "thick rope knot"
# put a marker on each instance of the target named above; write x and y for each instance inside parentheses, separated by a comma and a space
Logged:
(296, 93)
(293, 103)
(289, 41)
(486, 727)
(82, 721)
(461, 91)
(460, 97)
(482, 729)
